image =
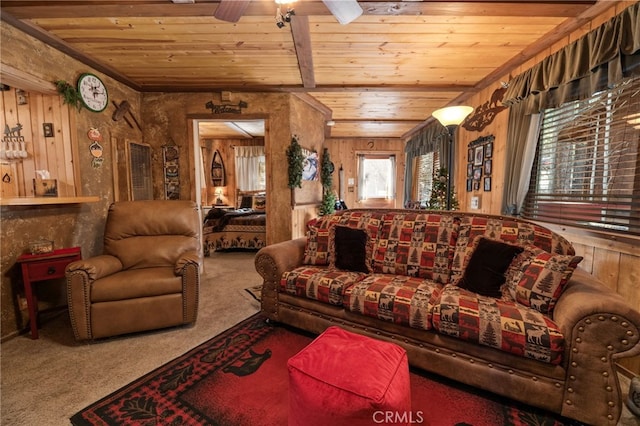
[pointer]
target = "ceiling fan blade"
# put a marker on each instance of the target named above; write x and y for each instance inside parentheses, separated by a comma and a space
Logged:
(231, 10)
(344, 11)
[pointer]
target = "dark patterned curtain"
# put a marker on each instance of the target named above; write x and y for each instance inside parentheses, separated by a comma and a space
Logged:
(433, 138)
(596, 61)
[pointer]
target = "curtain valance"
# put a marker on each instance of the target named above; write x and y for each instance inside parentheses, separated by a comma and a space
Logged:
(249, 151)
(428, 140)
(597, 60)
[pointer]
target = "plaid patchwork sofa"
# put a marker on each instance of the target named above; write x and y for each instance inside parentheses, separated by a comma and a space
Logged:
(494, 302)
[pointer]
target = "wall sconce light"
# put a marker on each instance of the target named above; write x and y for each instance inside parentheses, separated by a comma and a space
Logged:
(451, 118)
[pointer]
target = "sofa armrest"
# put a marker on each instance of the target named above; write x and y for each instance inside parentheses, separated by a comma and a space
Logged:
(96, 267)
(187, 258)
(189, 267)
(271, 262)
(599, 327)
(80, 276)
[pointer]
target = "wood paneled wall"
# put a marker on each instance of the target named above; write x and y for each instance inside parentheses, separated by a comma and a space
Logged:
(612, 259)
(54, 154)
(344, 154)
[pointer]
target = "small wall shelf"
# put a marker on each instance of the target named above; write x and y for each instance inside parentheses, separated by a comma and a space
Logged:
(38, 201)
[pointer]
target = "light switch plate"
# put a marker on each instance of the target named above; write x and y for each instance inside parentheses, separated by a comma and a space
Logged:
(475, 203)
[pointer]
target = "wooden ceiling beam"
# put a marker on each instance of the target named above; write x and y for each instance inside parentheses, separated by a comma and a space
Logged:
(302, 42)
(71, 9)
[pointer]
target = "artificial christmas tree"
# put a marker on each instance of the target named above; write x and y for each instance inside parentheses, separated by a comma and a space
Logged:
(438, 200)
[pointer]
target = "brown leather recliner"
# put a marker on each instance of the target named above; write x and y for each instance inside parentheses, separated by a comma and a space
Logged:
(148, 277)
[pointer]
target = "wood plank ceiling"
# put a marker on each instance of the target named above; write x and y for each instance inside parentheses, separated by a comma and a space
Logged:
(380, 76)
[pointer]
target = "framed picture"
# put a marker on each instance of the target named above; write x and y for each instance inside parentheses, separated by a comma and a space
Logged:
(477, 173)
(487, 167)
(470, 155)
(478, 155)
(470, 169)
(476, 185)
(47, 129)
(469, 185)
(487, 184)
(488, 150)
(310, 166)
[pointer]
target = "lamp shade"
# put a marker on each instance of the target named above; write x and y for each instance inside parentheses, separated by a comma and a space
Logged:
(453, 115)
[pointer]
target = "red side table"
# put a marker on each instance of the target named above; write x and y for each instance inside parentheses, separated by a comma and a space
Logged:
(41, 267)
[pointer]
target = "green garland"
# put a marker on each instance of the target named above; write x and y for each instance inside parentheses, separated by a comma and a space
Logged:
(69, 94)
(295, 158)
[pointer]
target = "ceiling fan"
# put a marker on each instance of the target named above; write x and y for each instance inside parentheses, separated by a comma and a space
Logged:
(344, 11)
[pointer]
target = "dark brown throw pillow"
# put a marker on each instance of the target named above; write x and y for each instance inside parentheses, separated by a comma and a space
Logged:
(351, 249)
(488, 263)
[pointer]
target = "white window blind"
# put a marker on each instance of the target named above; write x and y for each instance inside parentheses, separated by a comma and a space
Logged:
(587, 167)
(426, 166)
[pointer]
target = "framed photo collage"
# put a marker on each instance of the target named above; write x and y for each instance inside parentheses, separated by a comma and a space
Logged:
(480, 164)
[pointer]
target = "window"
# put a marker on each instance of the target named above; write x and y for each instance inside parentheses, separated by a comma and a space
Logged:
(425, 167)
(250, 168)
(376, 176)
(587, 167)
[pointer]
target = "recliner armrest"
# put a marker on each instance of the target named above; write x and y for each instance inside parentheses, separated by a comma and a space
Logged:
(97, 267)
(188, 258)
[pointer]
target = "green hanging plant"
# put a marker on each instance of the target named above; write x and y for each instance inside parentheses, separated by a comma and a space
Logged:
(295, 159)
(70, 95)
(328, 205)
(327, 170)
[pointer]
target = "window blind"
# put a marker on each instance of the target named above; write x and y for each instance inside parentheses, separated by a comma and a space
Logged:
(427, 165)
(587, 167)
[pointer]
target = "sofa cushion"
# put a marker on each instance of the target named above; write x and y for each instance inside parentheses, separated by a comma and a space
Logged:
(318, 248)
(319, 283)
(488, 263)
(537, 278)
(415, 244)
(504, 229)
(352, 249)
(395, 298)
(501, 324)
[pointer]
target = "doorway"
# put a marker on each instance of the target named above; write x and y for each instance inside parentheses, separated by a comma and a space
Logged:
(221, 139)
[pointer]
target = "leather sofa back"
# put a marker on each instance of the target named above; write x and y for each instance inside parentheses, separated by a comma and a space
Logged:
(155, 233)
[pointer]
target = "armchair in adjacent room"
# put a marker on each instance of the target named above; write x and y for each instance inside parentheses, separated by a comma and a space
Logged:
(148, 276)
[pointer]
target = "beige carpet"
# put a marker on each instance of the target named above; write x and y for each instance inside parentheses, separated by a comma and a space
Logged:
(45, 381)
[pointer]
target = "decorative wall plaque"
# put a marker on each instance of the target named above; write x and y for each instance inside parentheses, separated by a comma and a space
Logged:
(484, 114)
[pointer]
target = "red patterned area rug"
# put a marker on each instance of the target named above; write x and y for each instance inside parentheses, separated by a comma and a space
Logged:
(240, 378)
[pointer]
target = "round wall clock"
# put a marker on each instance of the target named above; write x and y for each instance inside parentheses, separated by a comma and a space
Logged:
(93, 92)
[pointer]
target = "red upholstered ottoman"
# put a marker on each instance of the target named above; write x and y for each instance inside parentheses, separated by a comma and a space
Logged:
(342, 378)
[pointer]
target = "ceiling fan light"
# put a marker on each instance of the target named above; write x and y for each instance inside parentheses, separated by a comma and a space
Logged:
(344, 11)
(284, 1)
(453, 115)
